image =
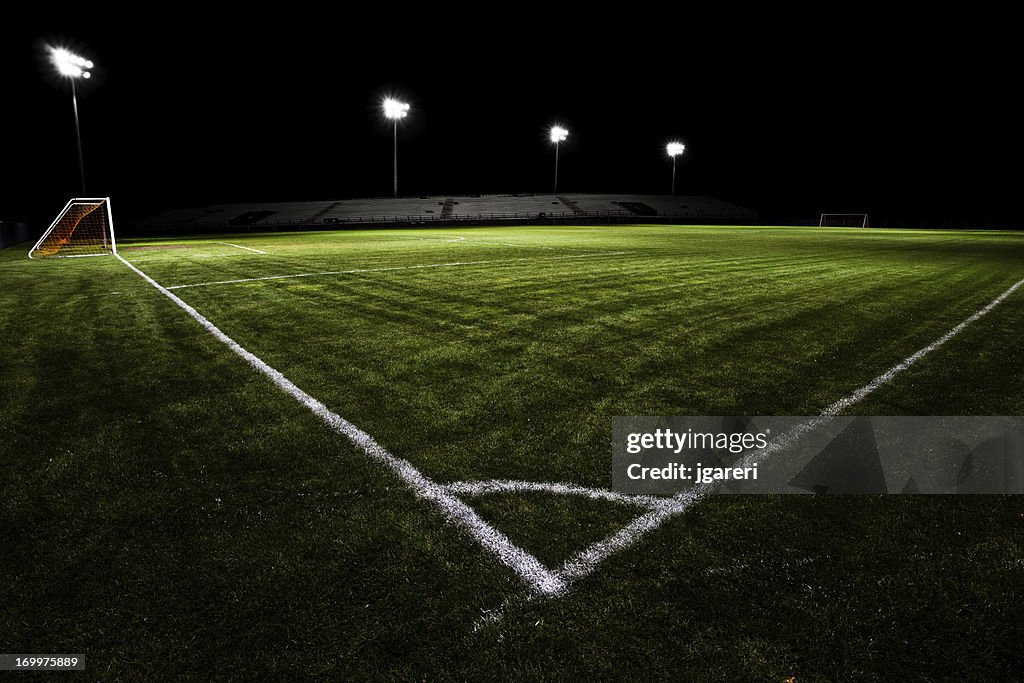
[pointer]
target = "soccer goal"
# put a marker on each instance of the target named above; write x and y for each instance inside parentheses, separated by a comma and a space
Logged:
(84, 228)
(843, 220)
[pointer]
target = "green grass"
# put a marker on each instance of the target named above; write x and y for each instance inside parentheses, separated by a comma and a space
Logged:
(168, 512)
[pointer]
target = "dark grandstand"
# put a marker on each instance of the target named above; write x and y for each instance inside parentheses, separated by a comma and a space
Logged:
(481, 209)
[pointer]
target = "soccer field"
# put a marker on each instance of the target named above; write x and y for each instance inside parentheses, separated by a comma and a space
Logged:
(169, 506)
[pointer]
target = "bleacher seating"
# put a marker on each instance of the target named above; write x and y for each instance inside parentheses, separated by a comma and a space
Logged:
(487, 208)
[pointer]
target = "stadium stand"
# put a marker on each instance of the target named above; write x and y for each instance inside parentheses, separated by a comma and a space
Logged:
(12, 233)
(447, 209)
(573, 206)
(451, 209)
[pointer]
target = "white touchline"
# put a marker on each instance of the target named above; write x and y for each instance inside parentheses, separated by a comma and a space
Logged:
(453, 264)
(523, 563)
(239, 246)
(587, 561)
(887, 376)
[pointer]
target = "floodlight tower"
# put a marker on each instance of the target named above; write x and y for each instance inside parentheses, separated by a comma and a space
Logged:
(73, 67)
(674, 149)
(557, 134)
(395, 110)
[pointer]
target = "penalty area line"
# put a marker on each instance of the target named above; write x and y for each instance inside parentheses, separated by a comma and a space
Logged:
(528, 567)
(239, 246)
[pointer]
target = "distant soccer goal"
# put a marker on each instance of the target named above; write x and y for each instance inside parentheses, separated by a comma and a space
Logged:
(843, 220)
(84, 228)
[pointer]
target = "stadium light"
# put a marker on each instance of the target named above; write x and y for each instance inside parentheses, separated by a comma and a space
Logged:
(674, 149)
(395, 110)
(72, 66)
(557, 135)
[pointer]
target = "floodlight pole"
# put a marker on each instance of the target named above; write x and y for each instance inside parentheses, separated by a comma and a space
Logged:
(78, 137)
(73, 66)
(674, 149)
(394, 110)
(557, 134)
(556, 167)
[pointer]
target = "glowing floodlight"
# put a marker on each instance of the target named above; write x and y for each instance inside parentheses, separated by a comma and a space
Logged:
(393, 109)
(68, 64)
(73, 66)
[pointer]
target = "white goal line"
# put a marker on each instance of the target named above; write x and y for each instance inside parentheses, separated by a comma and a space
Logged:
(451, 264)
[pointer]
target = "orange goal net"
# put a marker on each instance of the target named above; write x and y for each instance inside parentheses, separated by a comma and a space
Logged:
(83, 228)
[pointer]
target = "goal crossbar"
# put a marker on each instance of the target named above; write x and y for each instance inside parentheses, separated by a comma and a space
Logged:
(848, 220)
(79, 231)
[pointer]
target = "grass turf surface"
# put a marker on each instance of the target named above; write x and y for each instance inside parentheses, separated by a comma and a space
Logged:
(166, 510)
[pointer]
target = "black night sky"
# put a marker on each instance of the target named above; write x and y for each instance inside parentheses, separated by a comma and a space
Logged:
(903, 120)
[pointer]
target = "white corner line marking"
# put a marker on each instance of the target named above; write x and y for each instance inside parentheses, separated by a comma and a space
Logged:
(542, 580)
(480, 488)
(239, 246)
(528, 567)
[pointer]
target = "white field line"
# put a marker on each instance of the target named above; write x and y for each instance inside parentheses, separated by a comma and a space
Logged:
(479, 488)
(543, 581)
(452, 264)
(239, 246)
(887, 376)
(528, 567)
(587, 561)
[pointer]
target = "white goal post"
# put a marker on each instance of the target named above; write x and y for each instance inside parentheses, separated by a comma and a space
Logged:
(843, 220)
(84, 228)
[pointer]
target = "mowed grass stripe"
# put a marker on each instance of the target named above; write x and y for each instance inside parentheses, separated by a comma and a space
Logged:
(555, 350)
(489, 263)
(189, 510)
